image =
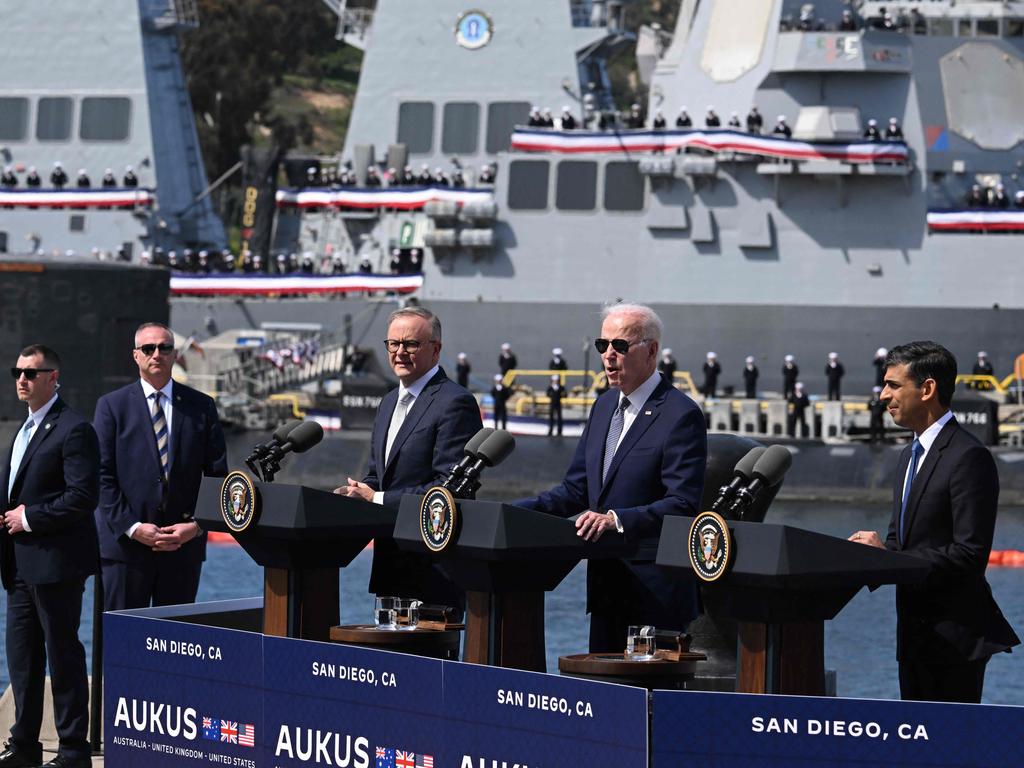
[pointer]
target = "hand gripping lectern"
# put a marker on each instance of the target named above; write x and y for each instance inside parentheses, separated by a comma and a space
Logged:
(782, 586)
(301, 536)
(506, 558)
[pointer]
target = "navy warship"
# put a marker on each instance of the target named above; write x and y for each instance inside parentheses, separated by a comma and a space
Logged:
(746, 243)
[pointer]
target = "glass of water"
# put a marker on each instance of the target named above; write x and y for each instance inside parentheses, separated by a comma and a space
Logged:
(640, 643)
(385, 613)
(407, 613)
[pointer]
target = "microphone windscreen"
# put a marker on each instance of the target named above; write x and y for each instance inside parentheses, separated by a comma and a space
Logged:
(496, 448)
(745, 466)
(305, 436)
(477, 440)
(773, 464)
(282, 432)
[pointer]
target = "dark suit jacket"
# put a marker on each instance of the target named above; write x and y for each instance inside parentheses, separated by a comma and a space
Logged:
(658, 470)
(430, 441)
(131, 482)
(950, 518)
(58, 482)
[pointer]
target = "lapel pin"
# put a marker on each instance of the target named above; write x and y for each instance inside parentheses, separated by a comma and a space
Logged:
(46, 426)
(648, 413)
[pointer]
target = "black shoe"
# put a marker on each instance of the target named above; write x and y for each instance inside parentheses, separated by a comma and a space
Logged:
(17, 758)
(63, 761)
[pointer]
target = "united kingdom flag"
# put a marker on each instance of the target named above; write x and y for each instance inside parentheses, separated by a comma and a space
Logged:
(229, 731)
(405, 759)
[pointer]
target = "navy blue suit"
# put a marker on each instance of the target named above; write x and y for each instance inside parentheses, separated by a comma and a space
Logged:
(948, 627)
(430, 441)
(133, 490)
(658, 470)
(44, 573)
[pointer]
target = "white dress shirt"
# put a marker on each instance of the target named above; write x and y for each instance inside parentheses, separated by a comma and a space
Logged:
(926, 438)
(37, 417)
(415, 389)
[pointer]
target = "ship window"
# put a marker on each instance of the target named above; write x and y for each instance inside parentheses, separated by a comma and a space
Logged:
(53, 119)
(461, 128)
(1014, 28)
(416, 126)
(940, 26)
(528, 185)
(623, 187)
(76, 223)
(963, 27)
(986, 27)
(502, 118)
(13, 118)
(105, 119)
(576, 189)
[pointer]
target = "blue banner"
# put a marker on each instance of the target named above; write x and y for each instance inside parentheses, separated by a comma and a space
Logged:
(175, 692)
(722, 730)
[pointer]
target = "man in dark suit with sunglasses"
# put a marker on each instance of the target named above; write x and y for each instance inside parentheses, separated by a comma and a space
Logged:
(157, 440)
(641, 457)
(418, 435)
(945, 496)
(49, 485)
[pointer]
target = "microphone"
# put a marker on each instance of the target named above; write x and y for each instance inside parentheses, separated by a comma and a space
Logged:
(741, 476)
(299, 440)
(458, 471)
(490, 453)
(263, 450)
(768, 471)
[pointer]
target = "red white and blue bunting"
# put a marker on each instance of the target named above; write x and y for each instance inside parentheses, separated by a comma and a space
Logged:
(129, 197)
(405, 198)
(998, 220)
(303, 285)
(578, 142)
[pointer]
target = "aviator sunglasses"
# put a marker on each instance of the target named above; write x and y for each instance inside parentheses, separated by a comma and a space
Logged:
(619, 345)
(30, 373)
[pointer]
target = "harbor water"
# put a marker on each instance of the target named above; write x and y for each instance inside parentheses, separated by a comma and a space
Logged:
(860, 642)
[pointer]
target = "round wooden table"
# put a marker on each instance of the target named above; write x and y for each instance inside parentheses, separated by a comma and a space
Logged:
(435, 643)
(663, 671)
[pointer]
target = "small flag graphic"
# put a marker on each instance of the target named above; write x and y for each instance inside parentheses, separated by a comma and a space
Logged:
(426, 761)
(211, 728)
(385, 758)
(405, 759)
(229, 731)
(247, 734)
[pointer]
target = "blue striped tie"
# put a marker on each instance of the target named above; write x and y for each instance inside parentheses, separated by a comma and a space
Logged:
(614, 432)
(160, 430)
(915, 454)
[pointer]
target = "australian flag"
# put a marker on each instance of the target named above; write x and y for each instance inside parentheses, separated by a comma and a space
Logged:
(211, 728)
(385, 758)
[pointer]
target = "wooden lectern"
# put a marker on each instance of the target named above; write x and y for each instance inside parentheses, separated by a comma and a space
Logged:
(301, 538)
(784, 583)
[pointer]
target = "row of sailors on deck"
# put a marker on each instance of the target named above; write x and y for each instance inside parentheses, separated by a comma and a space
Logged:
(315, 177)
(809, 21)
(993, 197)
(59, 178)
(893, 132)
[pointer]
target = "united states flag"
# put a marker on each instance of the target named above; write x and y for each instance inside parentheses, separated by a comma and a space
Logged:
(247, 734)
(426, 761)
(229, 731)
(405, 759)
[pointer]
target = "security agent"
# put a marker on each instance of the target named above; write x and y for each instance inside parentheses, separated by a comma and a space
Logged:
(50, 486)
(945, 496)
(640, 459)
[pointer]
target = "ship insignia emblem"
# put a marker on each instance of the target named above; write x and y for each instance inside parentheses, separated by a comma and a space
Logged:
(473, 29)
(710, 546)
(438, 517)
(239, 504)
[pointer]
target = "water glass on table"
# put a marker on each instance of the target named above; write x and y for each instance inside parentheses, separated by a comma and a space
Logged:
(640, 643)
(385, 613)
(407, 613)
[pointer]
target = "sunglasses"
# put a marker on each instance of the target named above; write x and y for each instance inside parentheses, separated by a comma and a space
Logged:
(410, 345)
(149, 349)
(619, 345)
(30, 373)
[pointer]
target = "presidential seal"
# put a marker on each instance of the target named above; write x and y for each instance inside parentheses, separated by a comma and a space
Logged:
(239, 504)
(438, 516)
(710, 546)
(473, 29)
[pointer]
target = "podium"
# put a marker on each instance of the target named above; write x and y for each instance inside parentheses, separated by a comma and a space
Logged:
(784, 583)
(301, 538)
(505, 558)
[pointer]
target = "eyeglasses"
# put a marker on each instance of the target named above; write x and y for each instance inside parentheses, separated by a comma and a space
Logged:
(30, 373)
(409, 345)
(149, 349)
(619, 345)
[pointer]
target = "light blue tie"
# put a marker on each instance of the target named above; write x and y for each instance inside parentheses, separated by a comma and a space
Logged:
(614, 432)
(20, 446)
(915, 454)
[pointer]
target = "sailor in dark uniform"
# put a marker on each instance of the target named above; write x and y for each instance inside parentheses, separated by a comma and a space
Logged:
(635, 118)
(108, 179)
(847, 23)
(372, 177)
(711, 119)
(712, 370)
(750, 374)
(894, 132)
(982, 368)
(130, 179)
(408, 179)
(667, 365)
(534, 121)
(9, 180)
(546, 120)
(425, 179)
(999, 197)
(876, 410)
(734, 120)
(879, 363)
(58, 178)
(1018, 198)
(557, 362)
(556, 391)
(755, 122)
(568, 121)
(83, 181)
(976, 197)
(507, 360)
(458, 180)
(500, 394)
(440, 180)
(781, 128)
(790, 372)
(395, 264)
(799, 402)
(684, 120)
(834, 372)
(871, 132)
(659, 121)
(487, 174)
(462, 370)
(32, 179)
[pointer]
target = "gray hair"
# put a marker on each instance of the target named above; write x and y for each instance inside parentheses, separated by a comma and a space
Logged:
(153, 324)
(421, 312)
(650, 324)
